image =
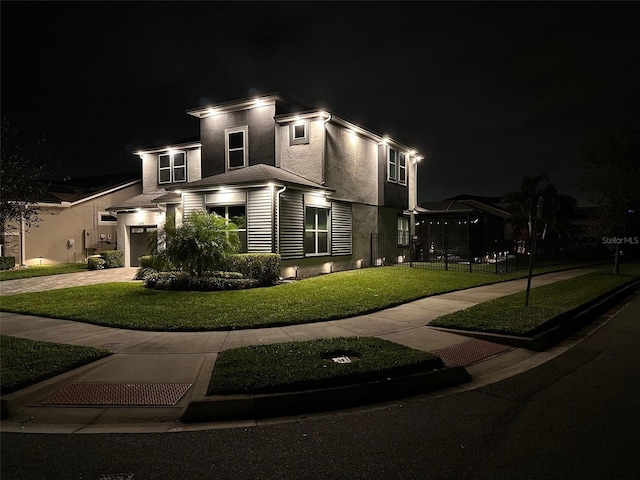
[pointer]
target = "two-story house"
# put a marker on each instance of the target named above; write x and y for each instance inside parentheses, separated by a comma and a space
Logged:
(303, 183)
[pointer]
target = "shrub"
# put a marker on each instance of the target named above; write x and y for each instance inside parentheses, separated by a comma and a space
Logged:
(7, 262)
(96, 263)
(201, 244)
(183, 281)
(264, 267)
(113, 258)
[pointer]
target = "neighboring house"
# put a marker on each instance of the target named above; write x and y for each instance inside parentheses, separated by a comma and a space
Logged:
(463, 227)
(303, 183)
(74, 222)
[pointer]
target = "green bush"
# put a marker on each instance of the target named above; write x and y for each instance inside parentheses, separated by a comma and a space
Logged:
(7, 262)
(201, 243)
(113, 258)
(96, 263)
(264, 267)
(182, 281)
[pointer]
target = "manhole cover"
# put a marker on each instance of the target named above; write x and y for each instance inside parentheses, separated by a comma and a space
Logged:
(119, 394)
(470, 352)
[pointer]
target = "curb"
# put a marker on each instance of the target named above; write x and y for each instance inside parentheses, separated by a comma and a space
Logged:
(13, 402)
(243, 407)
(557, 328)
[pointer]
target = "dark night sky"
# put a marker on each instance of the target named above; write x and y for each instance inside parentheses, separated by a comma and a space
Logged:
(488, 92)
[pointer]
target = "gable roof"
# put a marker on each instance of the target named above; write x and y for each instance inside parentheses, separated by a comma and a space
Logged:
(145, 200)
(447, 207)
(256, 174)
(70, 192)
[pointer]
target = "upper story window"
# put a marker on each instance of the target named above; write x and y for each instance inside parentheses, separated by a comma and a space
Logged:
(172, 167)
(236, 147)
(299, 133)
(396, 167)
(402, 169)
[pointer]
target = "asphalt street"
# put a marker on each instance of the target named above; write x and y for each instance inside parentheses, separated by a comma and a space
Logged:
(576, 416)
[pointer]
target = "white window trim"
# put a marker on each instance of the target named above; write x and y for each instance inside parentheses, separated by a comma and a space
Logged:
(403, 235)
(400, 176)
(107, 222)
(300, 140)
(171, 168)
(315, 230)
(402, 168)
(245, 146)
(392, 179)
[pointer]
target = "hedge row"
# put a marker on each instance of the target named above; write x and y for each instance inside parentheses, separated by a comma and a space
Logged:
(241, 271)
(7, 262)
(207, 283)
(108, 259)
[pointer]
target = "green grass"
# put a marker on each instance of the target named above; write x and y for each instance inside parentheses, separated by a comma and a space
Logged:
(308, 365)
(42, 271)
(25, 362)
(339, 295)
(508, 315)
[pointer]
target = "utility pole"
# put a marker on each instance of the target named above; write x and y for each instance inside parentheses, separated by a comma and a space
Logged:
(533, 247)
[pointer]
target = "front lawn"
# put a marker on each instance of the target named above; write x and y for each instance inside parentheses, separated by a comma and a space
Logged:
(308, 365)
(25, 362)
(42, 271)
(508, 315)
(338, 295)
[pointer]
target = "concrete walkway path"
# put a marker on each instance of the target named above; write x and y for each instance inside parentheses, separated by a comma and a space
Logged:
(187, 358)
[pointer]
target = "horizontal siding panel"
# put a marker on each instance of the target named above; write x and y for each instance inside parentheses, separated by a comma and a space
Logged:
(192, 202)
(291, 225)
(260, 222)
(341, 229)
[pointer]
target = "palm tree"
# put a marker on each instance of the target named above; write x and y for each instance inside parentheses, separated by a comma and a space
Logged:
(523, 204)
(557, 212)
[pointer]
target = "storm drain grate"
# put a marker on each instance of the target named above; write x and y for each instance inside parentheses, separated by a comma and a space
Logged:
(116, 476)
(119, 394)
(470, 352)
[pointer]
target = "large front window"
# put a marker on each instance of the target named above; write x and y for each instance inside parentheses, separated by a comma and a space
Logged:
(236, 147)
(172, 167)
(236, 214)
(316, 232)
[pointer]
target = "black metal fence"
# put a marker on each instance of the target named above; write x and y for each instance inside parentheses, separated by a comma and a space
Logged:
(455, 254)
(385, 250)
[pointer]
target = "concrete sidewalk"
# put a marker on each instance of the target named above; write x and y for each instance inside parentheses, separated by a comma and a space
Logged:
(165, 360)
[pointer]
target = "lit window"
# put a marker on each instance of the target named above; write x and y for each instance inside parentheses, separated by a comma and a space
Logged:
(236, 214)
(316, 231)
(236, 147)
(403, 230)
(172, 167)
(299, 133)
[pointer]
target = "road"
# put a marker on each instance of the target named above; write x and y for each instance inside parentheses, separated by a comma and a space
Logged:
(576, 416)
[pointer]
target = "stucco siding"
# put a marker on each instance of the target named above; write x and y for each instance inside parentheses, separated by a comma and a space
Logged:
(305, 159)
(351, 166)
(49, 239)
